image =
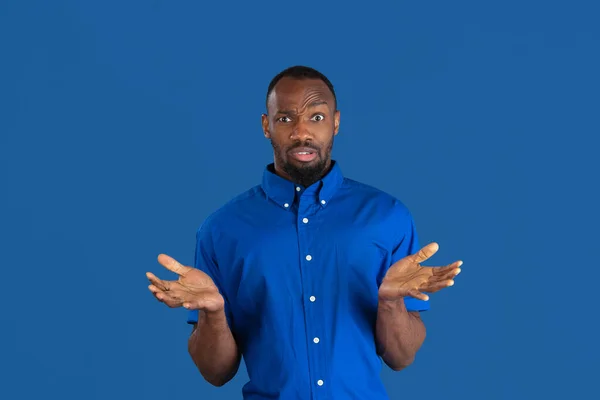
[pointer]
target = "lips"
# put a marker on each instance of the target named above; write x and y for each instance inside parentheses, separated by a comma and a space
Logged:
(303, 154)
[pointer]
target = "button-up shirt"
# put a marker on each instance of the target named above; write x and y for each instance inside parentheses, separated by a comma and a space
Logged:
(299, 269)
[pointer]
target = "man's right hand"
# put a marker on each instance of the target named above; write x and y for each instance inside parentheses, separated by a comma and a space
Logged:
(194, 289)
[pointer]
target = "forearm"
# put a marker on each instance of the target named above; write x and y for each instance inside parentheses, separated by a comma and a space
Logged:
(399, 334)
(213, 349)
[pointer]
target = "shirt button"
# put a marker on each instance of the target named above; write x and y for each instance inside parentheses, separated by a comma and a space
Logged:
(297, 188)
(320, 382)
(312, 299)
(286, 205)
(305, 220)
(323, 202)
(316, 340)
(308, 257)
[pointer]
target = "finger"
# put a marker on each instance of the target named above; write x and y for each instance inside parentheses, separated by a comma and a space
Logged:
(455, 266)
(180, 298)
(159, 283)
(437, 286)
(425, 253)
(166, 297)
(172, 265)
(451, 274)
(154, 289)
(169, 300)
(418, 295)
(194, 304)
(156, 292)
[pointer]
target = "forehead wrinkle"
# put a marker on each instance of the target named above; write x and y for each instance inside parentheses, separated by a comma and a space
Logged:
(312, 97)
(290, 101)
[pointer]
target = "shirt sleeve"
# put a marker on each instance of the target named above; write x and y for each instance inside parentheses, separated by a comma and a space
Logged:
(408, 244)
(206, 261)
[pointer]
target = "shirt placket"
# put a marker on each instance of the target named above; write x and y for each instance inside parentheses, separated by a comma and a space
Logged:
(306, 228)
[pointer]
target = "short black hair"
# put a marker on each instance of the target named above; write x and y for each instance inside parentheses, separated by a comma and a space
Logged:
(300, 72)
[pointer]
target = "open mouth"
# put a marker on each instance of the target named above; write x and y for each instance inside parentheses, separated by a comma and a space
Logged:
(304, 154)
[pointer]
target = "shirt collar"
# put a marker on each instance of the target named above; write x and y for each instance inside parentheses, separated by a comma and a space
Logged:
(283, 191)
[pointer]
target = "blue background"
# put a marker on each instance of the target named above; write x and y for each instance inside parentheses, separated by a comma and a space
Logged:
(124, 124)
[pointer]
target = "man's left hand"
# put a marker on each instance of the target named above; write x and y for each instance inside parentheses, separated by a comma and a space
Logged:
(407, 277)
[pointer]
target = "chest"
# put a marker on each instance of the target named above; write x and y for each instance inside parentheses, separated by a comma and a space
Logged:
(275, 262)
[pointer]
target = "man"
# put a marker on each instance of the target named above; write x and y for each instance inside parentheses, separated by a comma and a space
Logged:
(310, 276)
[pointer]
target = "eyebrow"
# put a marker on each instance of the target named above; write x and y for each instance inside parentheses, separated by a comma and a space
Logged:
(311, 105)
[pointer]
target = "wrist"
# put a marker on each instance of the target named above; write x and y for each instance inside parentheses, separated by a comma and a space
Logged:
(213, 317)
(395, 304)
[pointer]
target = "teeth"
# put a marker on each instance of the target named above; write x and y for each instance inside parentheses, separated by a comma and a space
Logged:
(303, 152)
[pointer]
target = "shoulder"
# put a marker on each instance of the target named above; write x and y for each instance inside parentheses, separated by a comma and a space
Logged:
(232, 210)
(368, 194)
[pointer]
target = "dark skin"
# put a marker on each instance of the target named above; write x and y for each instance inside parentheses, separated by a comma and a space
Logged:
(211, 345)
(401, 333)
(302, 118)
(301, 113)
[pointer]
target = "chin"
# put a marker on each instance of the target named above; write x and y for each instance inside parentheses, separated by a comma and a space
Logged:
(309, 164)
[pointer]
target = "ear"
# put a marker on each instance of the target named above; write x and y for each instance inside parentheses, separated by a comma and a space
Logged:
(265, 125)
(336, 122)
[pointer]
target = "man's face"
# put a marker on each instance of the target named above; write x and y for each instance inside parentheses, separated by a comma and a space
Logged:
(301, 124)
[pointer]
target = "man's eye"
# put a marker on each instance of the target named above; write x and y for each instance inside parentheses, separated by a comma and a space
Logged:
(318, 117)
(283, 119)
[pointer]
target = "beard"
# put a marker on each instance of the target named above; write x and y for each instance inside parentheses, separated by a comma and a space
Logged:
(304, 174)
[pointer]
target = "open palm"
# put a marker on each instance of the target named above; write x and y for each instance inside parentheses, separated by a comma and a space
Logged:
(408, 278)
(193, 289)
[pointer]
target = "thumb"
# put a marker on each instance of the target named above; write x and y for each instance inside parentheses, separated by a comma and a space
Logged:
(425, 253)
(172, 265)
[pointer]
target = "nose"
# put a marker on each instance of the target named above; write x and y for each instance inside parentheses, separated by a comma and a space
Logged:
(301, 131)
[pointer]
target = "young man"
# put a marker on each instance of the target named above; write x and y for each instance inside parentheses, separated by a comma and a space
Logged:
(310, 276)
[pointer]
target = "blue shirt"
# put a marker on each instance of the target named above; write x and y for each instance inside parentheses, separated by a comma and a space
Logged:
(300, 269)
